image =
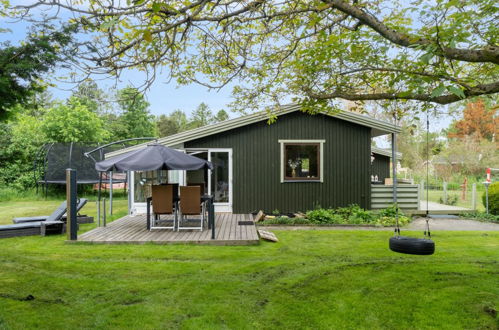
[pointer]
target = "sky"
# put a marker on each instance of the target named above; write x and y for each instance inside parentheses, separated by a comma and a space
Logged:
(163, 97)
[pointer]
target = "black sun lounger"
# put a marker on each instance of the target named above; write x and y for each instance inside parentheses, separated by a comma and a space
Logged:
(32, 228)
(55, 216)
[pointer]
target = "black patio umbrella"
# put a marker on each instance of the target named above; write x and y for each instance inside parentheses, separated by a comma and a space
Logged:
(153, 157)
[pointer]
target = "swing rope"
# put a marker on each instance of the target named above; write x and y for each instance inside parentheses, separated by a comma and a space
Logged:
(427, 231)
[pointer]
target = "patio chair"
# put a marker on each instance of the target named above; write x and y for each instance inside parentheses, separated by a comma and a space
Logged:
(200, 184)
(55, 216)
(190, 204)
(162, 203)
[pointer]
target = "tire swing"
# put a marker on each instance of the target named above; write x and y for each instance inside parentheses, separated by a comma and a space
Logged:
(412, 245)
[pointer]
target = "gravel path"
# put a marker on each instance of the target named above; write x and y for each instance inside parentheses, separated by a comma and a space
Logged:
(452, 224)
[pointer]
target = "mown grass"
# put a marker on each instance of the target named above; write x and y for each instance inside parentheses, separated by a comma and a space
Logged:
(435, 195)
(27, 208)
(310, 279)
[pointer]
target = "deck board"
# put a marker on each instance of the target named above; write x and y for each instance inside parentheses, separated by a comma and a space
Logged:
(132, 229)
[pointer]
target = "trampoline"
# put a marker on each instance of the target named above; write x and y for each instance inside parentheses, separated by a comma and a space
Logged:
(53, 159)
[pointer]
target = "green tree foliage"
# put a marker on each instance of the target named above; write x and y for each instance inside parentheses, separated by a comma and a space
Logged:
(19, 143)
(317, 50)
(90, 95)
(178, 121)
(172, 124)
(412, 144)
(221, 115)
(493, 198)
(135, 120)
(202, 116)
(73, 122)
(23, 67)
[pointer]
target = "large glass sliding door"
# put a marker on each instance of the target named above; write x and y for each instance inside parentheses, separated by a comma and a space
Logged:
(217, 182)
(220, 179)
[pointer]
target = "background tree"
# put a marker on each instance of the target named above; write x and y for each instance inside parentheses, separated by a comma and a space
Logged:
(478, 121)
(135, 119)
(73, 122)
(90, 95)
(23, 67)
(172, 124)
(439, 52)
(19, 143)
(221, 115)
(202, 116)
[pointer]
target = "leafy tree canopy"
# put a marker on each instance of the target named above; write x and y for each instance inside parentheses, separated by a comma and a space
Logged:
(438, 52)
(23, 67)
(95, 99)
(478, 121)
(73, 122)
(178, 121)
(135, 120)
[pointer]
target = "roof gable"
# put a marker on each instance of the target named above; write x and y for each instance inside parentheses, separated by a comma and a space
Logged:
(378, 127)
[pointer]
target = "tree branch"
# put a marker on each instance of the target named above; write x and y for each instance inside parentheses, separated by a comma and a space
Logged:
(489, 54)
(484, 89)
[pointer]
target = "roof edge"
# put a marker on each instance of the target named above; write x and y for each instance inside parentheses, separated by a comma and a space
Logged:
(196, 133)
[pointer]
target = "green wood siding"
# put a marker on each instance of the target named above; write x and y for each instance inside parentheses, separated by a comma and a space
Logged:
(381, 167)
(256, 163)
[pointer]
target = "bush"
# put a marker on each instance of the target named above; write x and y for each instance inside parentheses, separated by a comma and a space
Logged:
(451, 200)
(481, 216)
(323, 216)
(355, 215)
(493, 198)
(286, 221)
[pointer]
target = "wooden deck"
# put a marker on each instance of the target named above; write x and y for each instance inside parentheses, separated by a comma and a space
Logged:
(132, 229)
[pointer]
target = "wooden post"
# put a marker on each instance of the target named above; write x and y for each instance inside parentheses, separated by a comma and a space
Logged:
(473, 196)
(71, 196)
(464, 186)
(445, 193)
(148, 212)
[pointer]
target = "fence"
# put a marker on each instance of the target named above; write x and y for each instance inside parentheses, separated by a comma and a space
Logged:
(468, 196)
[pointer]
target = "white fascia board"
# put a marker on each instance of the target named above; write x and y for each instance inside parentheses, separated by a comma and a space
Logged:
(378, 127)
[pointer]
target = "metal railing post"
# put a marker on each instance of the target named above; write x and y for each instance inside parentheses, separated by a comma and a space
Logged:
(104, 206)
(98, 212)
(445, 193)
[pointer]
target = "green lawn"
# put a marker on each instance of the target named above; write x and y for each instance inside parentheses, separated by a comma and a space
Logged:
(27, 208)
(435, 195)
(310, 279)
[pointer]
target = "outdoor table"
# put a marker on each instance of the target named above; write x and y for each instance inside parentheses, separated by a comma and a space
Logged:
(208, 199)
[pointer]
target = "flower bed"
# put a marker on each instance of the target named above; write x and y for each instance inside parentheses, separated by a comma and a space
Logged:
(351, 215)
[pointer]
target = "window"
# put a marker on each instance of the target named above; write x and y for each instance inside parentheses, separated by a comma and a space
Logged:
(301, 160)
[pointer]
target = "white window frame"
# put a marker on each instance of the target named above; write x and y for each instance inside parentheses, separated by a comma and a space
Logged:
(321, 161)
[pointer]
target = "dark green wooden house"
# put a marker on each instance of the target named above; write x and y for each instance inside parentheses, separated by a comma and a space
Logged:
(295, 164)
(380, 164)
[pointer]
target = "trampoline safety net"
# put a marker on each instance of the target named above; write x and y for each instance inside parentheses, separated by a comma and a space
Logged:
(57, 157)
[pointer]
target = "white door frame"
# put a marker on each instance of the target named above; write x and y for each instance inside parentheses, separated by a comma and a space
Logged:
(222, 207)
(140, 207)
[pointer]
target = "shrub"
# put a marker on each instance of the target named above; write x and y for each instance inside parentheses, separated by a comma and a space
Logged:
(385, 221)
(493, 198)
(286, 221)
(451, 200)
(322, 216)
(481, 216)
